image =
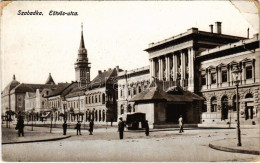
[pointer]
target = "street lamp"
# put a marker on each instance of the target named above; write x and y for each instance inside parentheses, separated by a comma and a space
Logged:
(236, 76)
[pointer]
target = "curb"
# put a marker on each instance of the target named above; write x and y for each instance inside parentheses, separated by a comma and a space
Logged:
(226, 149)
(33, 141)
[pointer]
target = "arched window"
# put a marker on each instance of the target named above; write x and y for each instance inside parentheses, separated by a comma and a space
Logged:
(86, 100)
(103, 116)
(134, 90)
(92, 99)
(224, 108)
(103, 98)
(89, 100)
(96, 98)
(249, 95)
(96, 115)
(122, 109)
(249, 110)
(139, 89)
(235, 103)
(99, 98)
(99, 115)
(213, 104)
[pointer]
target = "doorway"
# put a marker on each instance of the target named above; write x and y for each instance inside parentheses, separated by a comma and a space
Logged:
(173, 112)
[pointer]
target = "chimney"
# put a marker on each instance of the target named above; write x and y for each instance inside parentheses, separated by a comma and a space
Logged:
(218, 27)
(99, 72)
(211, 28)
(117, 68)
(247, 32)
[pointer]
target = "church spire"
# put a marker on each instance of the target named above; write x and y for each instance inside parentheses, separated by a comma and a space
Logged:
(82, 45)
(50, 80)
(14, 77)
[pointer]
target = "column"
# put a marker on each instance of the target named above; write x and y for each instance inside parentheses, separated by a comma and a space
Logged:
(162, 69)
(182, 68)
(243, 81)
(159, 71)
(151, 69)
(191, 55)
(168, 68)
(174, 67)
(154, 69)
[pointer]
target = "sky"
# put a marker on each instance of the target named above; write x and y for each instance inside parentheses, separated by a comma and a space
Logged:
(115, 32)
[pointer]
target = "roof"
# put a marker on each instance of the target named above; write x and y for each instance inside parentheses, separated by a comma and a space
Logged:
(173, 94)
(23, 87)
(104, 78)
(191, 32)
(75, 92)
(63, 89)
(50, 80)
(12, 84)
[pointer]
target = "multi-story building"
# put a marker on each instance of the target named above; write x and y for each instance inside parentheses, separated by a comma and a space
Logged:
(101, 97)
(197, 62)
(218, 87)
(131, 83)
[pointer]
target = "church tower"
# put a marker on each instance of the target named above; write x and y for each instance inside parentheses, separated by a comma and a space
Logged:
(82, 66)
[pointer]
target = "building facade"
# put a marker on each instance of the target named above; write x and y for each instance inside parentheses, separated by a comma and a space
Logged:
(218, 87)
(131, 83)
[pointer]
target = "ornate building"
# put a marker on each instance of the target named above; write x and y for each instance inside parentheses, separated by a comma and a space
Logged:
(201, 62)
(218, 87)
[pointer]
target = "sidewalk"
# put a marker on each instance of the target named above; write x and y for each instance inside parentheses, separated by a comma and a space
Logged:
(10, 135)
(250, 145)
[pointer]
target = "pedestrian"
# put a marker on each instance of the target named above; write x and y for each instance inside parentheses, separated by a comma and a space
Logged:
(146, 128)
(121, 126)
(181, 124)
(64, 127)
(20, 126)
(91, 127)
(78, 125)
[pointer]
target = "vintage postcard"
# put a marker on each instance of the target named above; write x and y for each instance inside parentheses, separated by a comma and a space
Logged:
(130, 81)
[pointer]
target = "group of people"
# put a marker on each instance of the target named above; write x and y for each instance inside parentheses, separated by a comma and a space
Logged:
(78, 127)
(121, 126)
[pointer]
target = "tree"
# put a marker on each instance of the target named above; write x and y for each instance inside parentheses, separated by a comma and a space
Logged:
(53, 110)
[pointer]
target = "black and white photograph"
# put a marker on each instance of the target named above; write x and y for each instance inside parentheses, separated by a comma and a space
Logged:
(130, 81)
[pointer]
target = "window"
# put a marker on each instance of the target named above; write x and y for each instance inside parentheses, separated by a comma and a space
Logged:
(134, 91)
(129, 92)
(121, 93)
(86, 100)
(92, 99)
(213, 78)
(103, 98)
(129, 108)
(96, 98)
(89, 100)
(203, 80)
(140, 89)
(99, 98)
(213, 104)
(224, 76)
(249, 72)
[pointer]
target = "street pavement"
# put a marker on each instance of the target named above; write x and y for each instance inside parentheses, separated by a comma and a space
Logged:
(104, 145)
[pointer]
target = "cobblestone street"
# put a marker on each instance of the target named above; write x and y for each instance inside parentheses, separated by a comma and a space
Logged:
(105, 145)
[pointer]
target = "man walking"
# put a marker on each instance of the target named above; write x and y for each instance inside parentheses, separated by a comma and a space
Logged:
(91, 127)
(20, 126)
(64, 127)
(78, 125)
(181, 124)
(146, 128)
(121, 127)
